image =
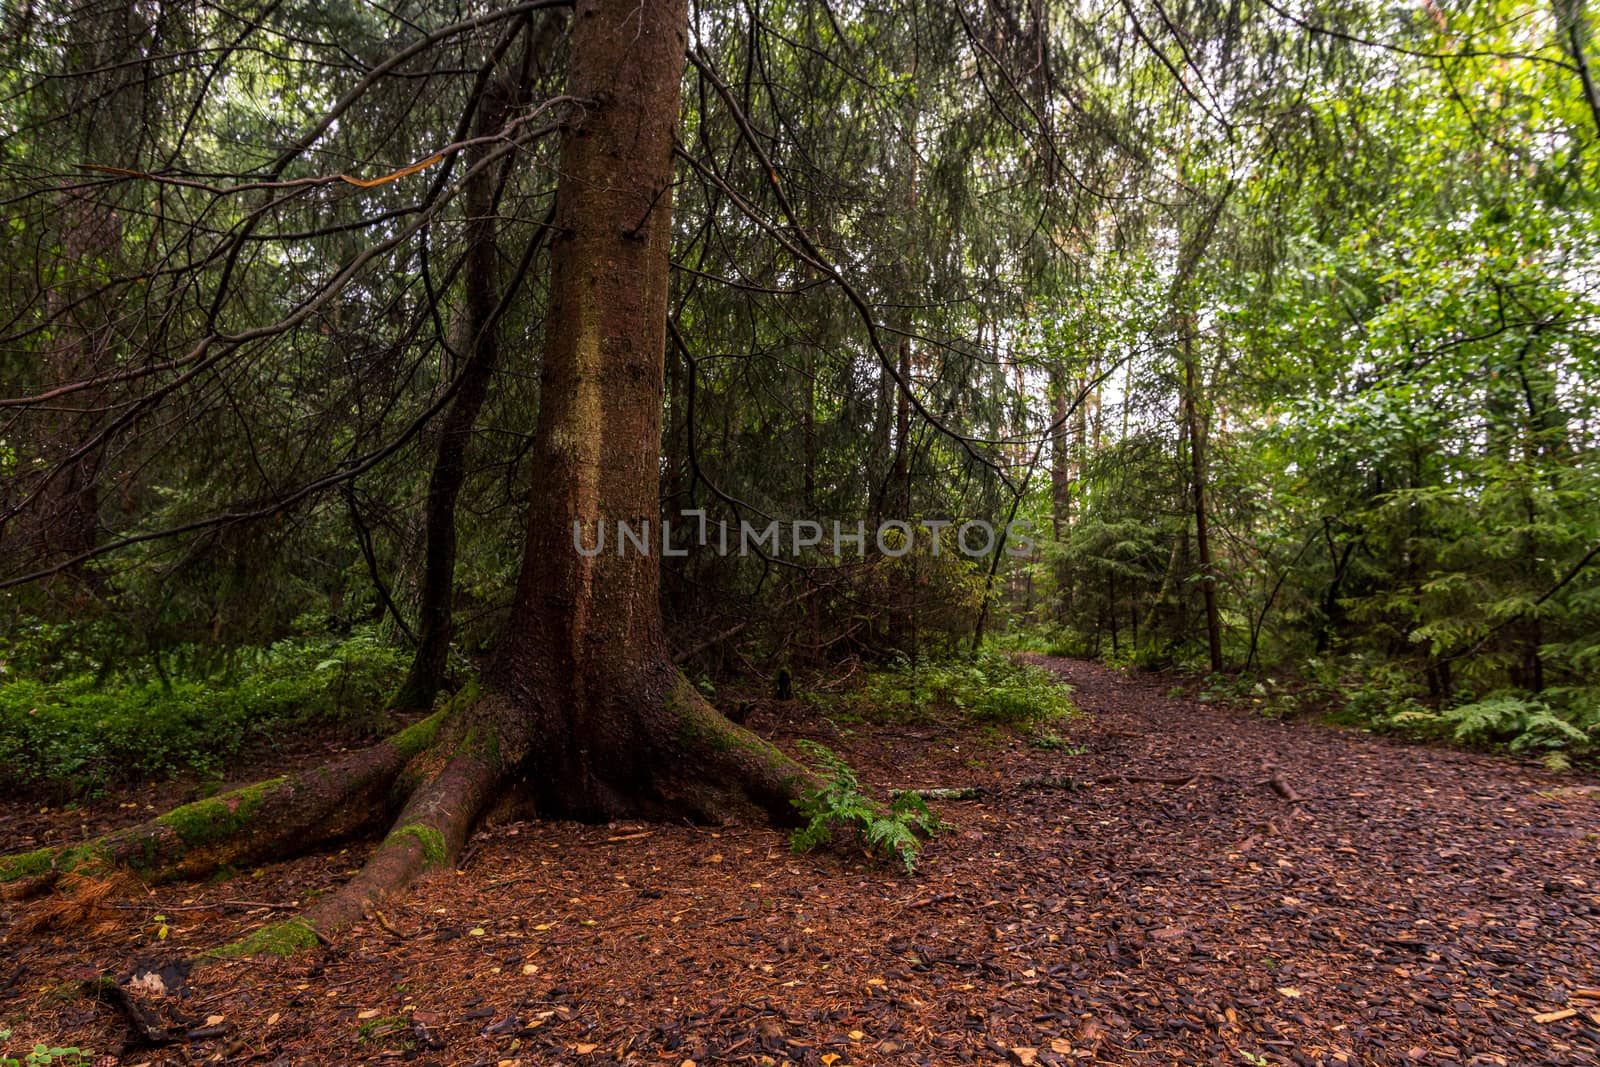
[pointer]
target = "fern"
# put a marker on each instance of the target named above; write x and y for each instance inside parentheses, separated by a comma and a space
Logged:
(838, 803)
(1522, 723)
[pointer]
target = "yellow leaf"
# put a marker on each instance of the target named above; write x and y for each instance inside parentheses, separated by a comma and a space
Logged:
(1289, 991)
(830, 1059)
(272, 1020)
(477, 931)
(370, 1013)
(584, 1050)
(856, 1035)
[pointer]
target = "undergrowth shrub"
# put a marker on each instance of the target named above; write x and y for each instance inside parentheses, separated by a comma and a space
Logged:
(78, 733)
(990, 688)
(1520, 723)
(837, 803)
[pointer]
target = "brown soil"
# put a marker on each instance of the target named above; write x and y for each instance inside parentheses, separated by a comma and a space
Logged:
(1209, 888)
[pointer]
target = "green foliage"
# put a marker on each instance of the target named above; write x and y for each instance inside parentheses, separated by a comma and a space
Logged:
(79, 733)
(275, 939)
(47, 1056)
(1264, 694)
(1521, 723)
(990, 688)
(1050, 741)
(837, 803)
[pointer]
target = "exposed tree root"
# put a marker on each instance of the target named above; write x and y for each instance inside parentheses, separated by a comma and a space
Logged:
(442, 774)
(714, 770)
(271, 819)
(434, 825)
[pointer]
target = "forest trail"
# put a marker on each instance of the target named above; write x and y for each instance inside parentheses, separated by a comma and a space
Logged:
(1381, 904)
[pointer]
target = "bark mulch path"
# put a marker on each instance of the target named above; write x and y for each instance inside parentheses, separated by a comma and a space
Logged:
(1198, 886)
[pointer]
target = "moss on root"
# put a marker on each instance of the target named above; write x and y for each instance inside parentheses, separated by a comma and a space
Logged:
(205, 822)
(89, 856)
(26, 865)
(480, 742)
(420, 735)
(276, 939)
(431, 840)
(701, 726)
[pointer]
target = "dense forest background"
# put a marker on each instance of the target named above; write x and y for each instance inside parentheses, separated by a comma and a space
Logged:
(1277, 321)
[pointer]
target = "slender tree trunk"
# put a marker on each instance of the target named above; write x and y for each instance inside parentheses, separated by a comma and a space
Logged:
(68, 521)
(436, 610)
(1197, 459)
(1060, 453)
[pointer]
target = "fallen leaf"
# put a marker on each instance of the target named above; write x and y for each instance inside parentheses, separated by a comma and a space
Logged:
(370, 1013)
(1289, 991)
(584, 1050)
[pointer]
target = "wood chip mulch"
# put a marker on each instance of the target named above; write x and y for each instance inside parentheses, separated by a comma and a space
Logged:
(1197, 886)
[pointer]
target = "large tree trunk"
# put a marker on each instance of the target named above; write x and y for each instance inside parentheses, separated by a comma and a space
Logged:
(582, 701)
(585, 660)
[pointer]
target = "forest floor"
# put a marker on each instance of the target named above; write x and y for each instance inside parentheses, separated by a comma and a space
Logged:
(1198, 885)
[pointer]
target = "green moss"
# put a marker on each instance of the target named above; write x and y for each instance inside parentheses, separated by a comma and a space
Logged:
(87, 856)
(207, 821)
(276, 939)
(700, 726)
(44, 860)
(373, 1029)
(479, 741)
(431, 840)
(696, 733)
(25, 865)
(420, 735)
